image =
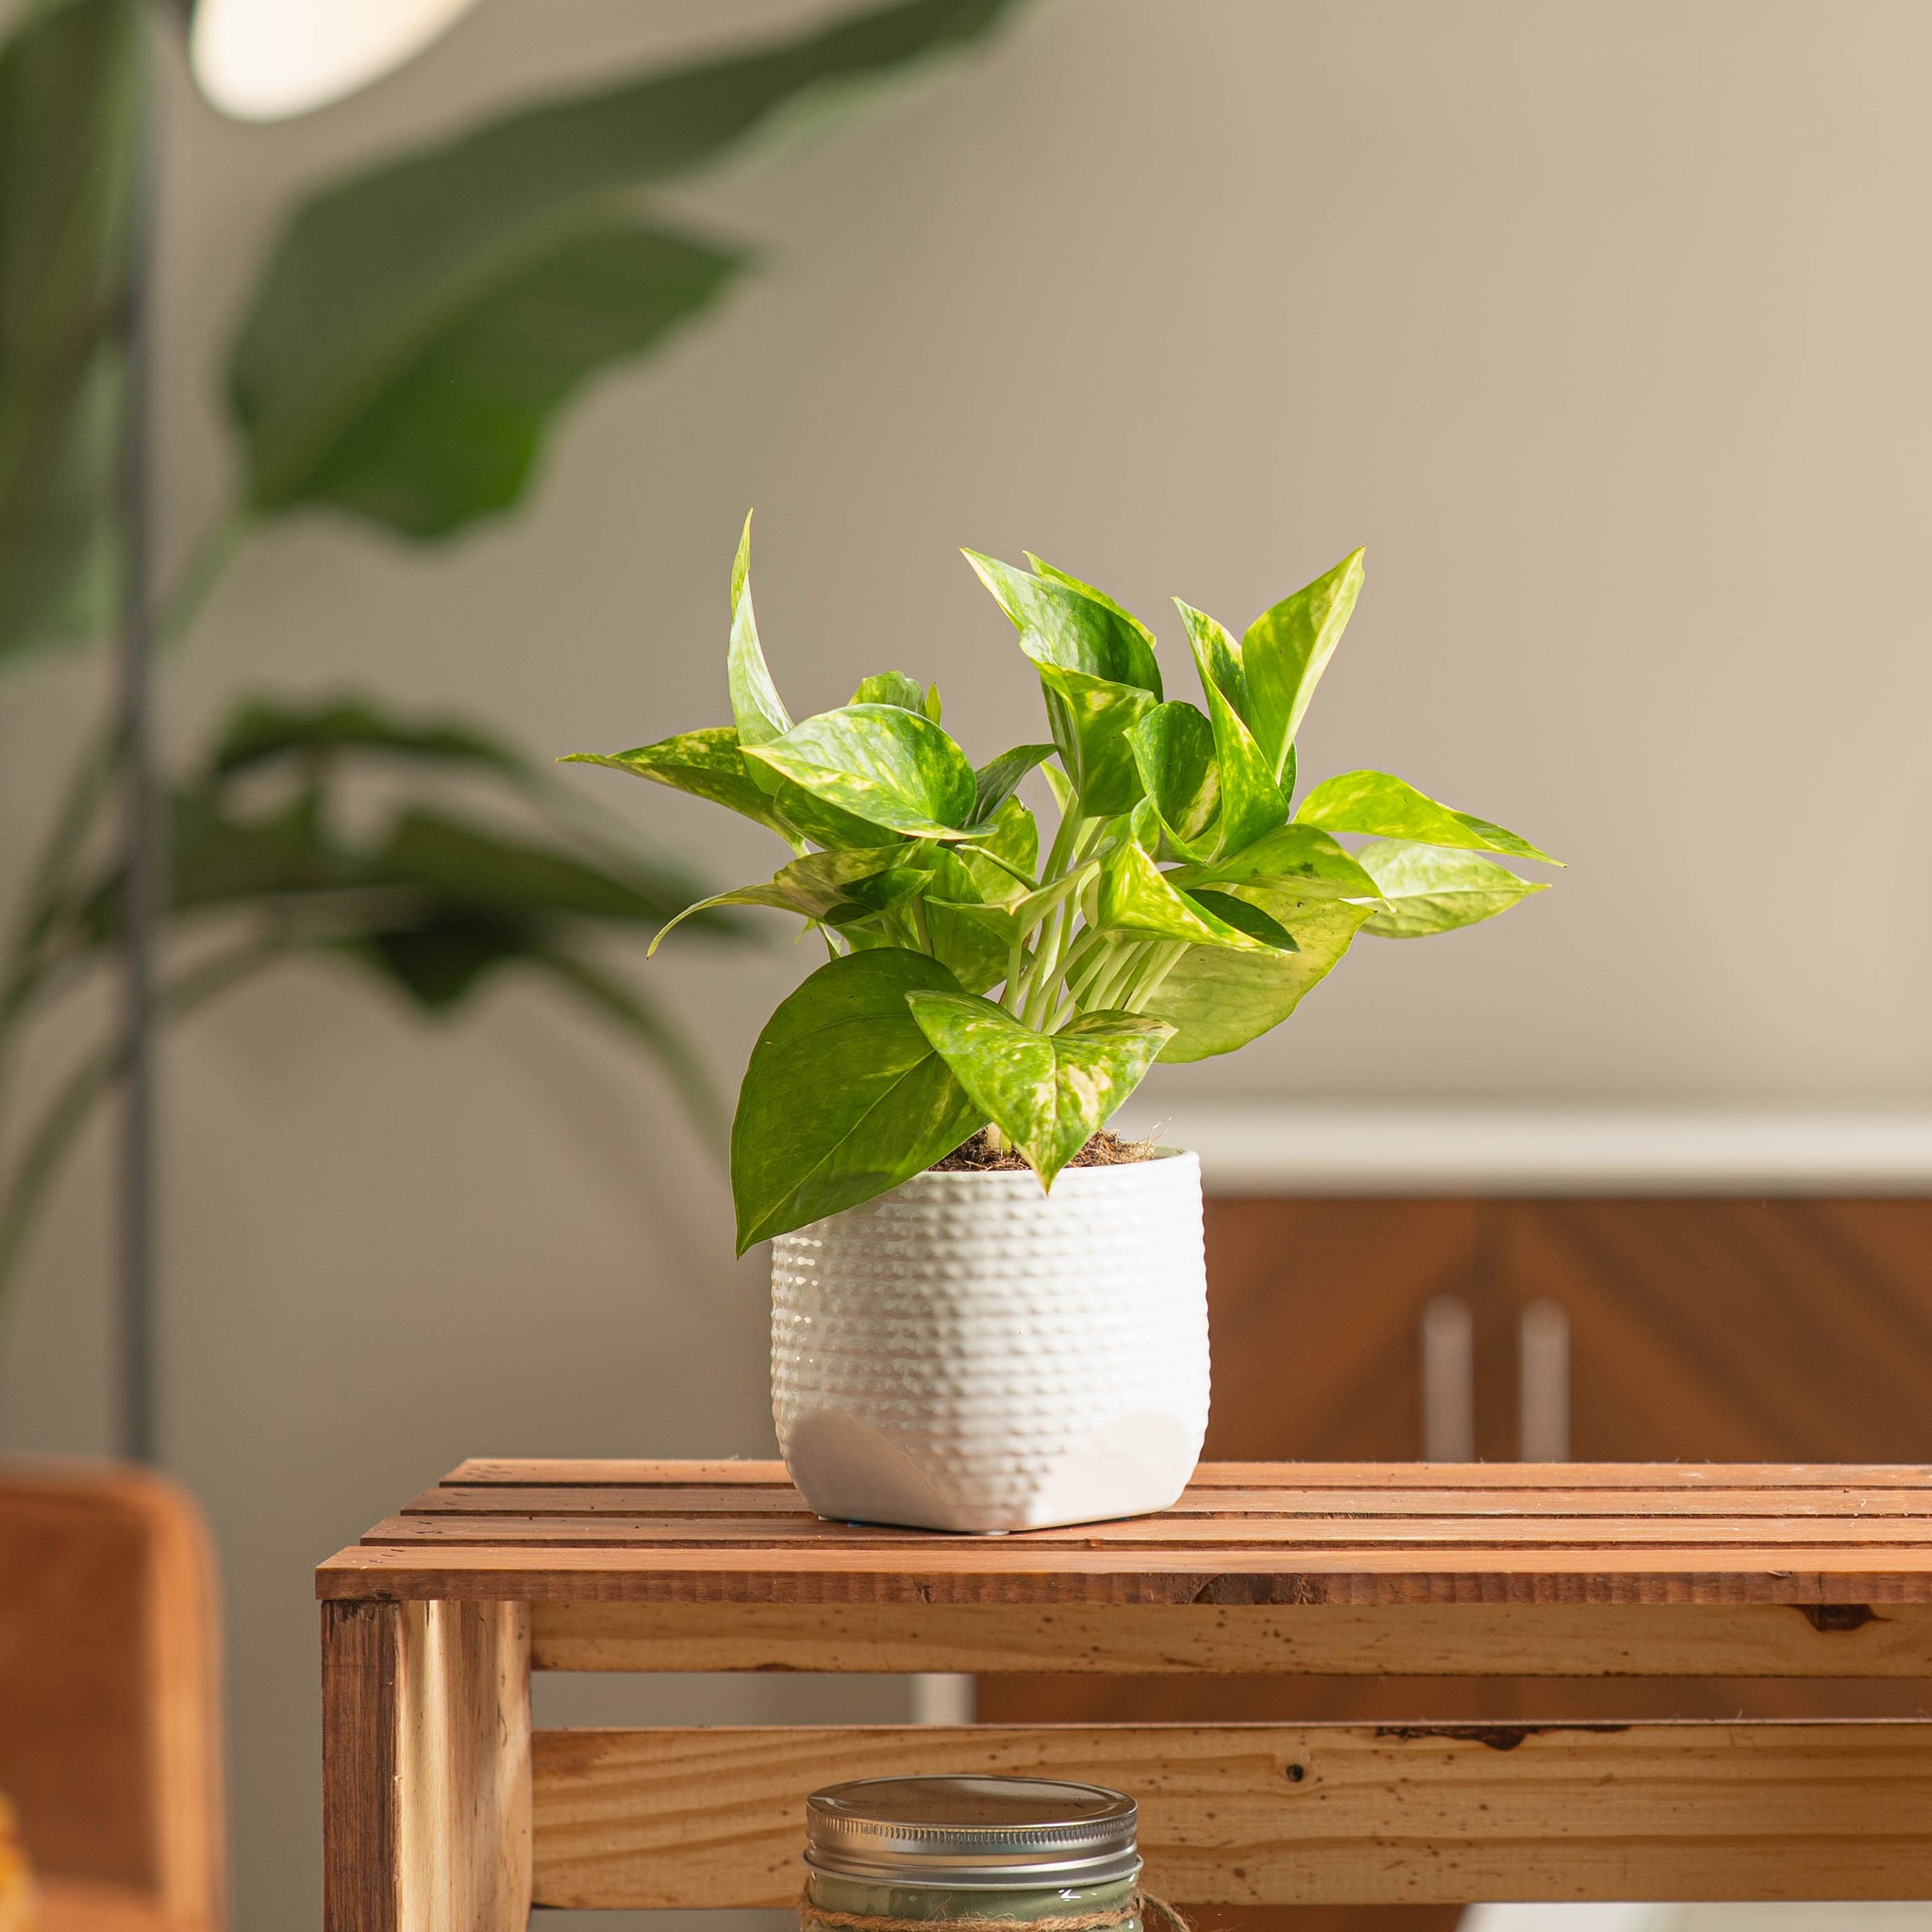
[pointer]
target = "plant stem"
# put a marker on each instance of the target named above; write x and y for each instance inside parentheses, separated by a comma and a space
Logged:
(1105, 991)
(1150, 974)
(1045, 979)
(1014, 995)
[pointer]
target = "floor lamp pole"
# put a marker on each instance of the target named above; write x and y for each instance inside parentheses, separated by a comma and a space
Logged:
(143, 828)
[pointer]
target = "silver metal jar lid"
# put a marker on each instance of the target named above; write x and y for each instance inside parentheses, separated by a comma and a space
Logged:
(971, 1832)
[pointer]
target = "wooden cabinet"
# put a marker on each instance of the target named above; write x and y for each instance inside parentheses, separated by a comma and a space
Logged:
(1712, 1330)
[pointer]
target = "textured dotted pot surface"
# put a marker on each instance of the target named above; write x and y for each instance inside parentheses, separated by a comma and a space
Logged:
(967, 1353)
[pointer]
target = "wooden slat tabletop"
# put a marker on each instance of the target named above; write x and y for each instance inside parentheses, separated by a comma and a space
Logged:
(1245, 1532)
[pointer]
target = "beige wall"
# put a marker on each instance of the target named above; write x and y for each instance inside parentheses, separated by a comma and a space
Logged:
(1604, 326)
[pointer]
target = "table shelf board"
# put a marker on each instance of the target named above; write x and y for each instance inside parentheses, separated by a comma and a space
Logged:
(1288, 1814)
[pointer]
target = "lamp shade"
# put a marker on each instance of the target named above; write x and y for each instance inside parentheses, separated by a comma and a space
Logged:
(267, 60)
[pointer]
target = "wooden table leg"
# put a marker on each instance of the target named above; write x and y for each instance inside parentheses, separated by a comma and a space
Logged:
(426, 1756)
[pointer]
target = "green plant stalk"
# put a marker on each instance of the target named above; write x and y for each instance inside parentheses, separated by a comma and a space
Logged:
(1066, 839)
(1013, 990)
(1151, 975)
(1045, 973)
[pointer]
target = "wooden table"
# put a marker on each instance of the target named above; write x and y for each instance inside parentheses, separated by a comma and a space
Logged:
(441, 1809)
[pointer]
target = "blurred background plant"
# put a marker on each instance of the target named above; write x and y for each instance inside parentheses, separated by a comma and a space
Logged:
(410, 338)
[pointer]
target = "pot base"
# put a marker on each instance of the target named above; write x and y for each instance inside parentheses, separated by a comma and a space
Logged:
(848, 1473)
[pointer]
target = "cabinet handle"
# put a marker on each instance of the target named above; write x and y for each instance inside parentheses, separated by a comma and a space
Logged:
(1542, 1387)
(1448, 1381)
(941, 1697)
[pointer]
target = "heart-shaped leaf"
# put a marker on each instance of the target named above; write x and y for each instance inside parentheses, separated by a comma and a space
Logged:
(1013, 840)
(1385, 807)
(1173, 752)
(995, 781)
(1246, 918)
(968, 908)
(1044, 569)
(1285, 651)
(1252, 802)
(1217, 656)
(896, 688)
(707, 764)
(1138, 900)
(1218, 999)
(1048, 1093)
(1063, 622)
(1091, 718)
(845, 1095)
(1427, 890)
(888, 767)
(756, 708)
(817, 884)
(1301, 857)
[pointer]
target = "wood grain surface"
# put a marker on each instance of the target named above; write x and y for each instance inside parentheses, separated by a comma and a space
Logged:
(1376, 1640)
(1245, 1533)
(1288, 1814)
(425, 1767)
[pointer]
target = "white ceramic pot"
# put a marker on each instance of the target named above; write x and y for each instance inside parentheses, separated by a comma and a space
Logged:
(968, 1352)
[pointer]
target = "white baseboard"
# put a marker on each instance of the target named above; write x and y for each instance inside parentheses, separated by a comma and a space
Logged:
(1262, 1148)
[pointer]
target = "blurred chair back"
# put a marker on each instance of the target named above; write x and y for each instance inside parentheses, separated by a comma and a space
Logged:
(110, 1743)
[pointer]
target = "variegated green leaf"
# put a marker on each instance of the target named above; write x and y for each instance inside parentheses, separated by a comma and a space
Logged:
(1091, 718)
(1048, 1093)
(845, 1097)
(1173, 752)
(1387, 807)
(1427, 890)
(1299, 857)
(889, 766)
(1246, 918)
(968, 905)
(707, 764)
(1217, 656)
(1252, 802)
(823, 822)
(819, 884)
(756, 708)
(1014, 839)
(1044, 569)
(1015, 919)
(1062, 622)
(994, 782)
(1285, 651)
(1138, 900)
(892, 688)
(1218, 999)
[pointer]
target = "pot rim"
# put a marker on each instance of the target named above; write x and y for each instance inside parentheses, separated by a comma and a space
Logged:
(1119, 1174)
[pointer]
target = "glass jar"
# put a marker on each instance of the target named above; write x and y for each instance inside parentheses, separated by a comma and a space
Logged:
(946, 1850)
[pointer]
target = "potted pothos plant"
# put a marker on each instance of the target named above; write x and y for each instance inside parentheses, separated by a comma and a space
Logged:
(989, 1313)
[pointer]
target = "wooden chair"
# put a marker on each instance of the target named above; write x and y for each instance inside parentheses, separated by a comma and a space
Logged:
(109, 1697)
